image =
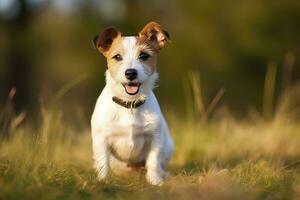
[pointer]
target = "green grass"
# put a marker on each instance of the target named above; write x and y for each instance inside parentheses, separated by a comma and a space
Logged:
(216, 157)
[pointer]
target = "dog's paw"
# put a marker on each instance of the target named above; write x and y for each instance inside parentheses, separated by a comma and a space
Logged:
(155, 178)
(102, 177)
(102, 172)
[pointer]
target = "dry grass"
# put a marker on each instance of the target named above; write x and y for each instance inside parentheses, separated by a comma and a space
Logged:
(220, 158)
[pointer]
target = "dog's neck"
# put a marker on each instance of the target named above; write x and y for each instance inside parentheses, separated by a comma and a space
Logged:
(128, 104)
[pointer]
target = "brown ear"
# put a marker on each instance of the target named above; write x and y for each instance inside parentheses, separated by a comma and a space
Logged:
(155, 35)
(103, 41)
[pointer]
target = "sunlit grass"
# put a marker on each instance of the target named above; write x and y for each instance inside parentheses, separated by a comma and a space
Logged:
(215, 158)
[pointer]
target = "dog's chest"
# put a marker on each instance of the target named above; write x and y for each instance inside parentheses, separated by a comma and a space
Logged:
(131, 134)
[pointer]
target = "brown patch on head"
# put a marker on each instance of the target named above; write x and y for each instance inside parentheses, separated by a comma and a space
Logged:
(104, 41)
(115, 49)
(145, 48)
(109, 44)
(154, 35)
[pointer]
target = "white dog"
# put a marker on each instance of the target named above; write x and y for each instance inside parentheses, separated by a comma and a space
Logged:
(128, 128)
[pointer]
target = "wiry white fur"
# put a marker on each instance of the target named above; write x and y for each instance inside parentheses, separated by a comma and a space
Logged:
(122, 135)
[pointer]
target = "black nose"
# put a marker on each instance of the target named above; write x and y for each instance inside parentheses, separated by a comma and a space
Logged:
(131, 74)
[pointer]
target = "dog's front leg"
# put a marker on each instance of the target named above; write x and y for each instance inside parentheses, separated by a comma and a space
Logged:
(101, 156)
(155, 173)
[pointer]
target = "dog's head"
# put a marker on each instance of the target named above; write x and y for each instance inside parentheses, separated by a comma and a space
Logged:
(131, 60)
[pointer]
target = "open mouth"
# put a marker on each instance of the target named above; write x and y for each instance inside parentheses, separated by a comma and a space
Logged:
(132, 88)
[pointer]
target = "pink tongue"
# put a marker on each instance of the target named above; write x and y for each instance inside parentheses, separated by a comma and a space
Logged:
(131, 89)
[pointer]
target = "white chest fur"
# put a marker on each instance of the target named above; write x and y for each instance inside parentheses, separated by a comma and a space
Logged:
(128, 132)
(130, 135)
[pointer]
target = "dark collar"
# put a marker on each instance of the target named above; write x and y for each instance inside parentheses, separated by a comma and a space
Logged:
(128, 104)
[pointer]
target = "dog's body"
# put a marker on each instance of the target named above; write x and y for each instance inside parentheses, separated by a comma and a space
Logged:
(128, 128)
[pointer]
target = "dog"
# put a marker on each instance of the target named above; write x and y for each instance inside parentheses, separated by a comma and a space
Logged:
(128, 128)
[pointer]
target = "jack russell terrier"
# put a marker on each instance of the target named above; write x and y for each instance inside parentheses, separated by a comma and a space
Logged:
(128, 128)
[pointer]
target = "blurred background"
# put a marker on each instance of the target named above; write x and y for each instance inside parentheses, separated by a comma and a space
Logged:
(46, 51)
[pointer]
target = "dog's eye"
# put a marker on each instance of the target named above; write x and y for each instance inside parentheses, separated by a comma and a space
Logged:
(143, 56)
(117, 57)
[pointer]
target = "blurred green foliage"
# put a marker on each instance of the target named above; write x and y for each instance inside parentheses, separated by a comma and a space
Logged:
(47, 44)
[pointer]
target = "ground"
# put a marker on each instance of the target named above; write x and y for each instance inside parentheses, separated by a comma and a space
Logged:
(220, 159)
